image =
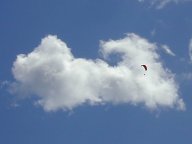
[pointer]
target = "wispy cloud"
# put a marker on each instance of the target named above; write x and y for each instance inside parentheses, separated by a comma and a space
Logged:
(61, 81)
(167, 50)
(190, 50)
(4, 84)
(186, 76)
(159, 4)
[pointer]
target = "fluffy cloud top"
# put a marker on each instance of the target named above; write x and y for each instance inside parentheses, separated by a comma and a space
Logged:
(159, 4)
(61, 81)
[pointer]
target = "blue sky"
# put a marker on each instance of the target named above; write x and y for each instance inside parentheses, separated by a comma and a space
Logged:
(38, 110)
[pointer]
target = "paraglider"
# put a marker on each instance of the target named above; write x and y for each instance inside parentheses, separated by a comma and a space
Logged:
(145, 67)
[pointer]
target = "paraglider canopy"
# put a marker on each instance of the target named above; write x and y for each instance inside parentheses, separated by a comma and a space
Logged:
(145, 67)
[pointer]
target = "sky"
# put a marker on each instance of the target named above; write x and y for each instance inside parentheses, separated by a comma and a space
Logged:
(70, 71)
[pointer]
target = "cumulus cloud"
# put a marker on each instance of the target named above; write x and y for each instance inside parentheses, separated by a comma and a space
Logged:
(59, 80)
(167, 50)
(190, 50)
(159, 4)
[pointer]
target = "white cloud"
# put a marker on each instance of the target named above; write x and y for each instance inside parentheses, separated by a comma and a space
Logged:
(61, 81)
(159, 4)
(167, 50)
(190, 50)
